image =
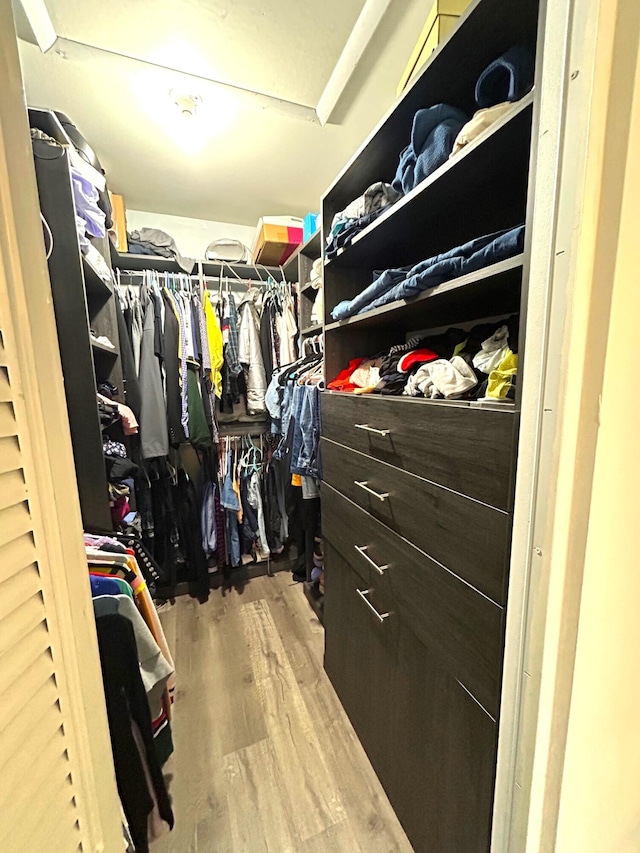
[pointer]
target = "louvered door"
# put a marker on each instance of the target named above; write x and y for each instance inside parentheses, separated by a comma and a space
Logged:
(32, 737)
(38, 791)
(57, 784)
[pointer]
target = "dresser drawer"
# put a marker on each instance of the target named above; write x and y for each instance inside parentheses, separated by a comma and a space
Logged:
(460, 626)
(469, 538)
(344, 525)
(431, 744)
(467, 449)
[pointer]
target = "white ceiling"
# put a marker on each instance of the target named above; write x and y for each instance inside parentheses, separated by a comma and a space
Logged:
(240, 158)
(286, 48)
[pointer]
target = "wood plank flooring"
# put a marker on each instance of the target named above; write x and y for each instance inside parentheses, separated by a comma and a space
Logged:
(265, 760)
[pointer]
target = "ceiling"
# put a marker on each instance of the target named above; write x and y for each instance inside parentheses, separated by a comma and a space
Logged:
(117, 67)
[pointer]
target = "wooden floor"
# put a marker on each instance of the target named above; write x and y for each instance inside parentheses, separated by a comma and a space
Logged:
(265, 758)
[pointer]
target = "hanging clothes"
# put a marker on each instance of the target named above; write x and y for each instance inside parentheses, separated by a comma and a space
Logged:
(287, 331)
(250, 357)
(154, 436)
(127, 705)
(129, 370)
(216, 344)
(173, 349)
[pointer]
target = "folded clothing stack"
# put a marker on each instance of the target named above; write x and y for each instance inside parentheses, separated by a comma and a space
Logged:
(90, 219)
(361, 212)
(405, 282)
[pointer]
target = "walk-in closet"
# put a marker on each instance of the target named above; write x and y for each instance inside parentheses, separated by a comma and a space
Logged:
(315, 414)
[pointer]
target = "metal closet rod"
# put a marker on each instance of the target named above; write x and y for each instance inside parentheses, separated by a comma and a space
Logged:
(252, 281)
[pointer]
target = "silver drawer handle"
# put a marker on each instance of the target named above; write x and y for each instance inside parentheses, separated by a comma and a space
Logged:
(362, 550)
(363, 593)
(382, 496)
(382, 432)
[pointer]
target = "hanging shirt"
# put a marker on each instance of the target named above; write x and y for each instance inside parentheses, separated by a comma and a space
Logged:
(189, 330)
(136, 327)
(230, 334)
(154, 436)
(216, 345)
(287, 331)
(178, 306)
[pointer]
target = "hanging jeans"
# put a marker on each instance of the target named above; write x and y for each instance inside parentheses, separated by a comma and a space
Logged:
(255, 499)
(286, 409)
(304, 455)
(249, 519)
(231, 506)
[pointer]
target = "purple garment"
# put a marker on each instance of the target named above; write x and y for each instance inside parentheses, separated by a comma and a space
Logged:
(85, 197)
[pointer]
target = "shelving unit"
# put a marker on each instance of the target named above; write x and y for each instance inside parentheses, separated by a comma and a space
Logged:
(492, 289)
(417, 497)
(95, 285)
(495, 164)
(311, 330)
(138, 263)
(99, 347)
(298, 269)
(82, 301)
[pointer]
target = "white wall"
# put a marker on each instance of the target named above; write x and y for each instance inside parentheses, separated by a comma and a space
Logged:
(600, 795)
(192, 236)
(582, 637)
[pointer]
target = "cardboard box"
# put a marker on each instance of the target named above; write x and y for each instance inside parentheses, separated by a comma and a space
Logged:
(119, 216)
(277, 238)
(442, 18)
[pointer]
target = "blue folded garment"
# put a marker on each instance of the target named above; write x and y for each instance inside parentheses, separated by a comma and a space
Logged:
(507, 78)
(350, 229)
(434, 131)
(405, 282)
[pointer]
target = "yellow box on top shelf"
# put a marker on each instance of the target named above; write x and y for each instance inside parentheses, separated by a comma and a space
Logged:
(442, 18)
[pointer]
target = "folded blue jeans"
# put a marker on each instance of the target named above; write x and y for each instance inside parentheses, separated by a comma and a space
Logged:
(404, 282)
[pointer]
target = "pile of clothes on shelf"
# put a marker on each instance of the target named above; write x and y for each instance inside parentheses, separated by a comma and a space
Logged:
(154, 241)
(358, 215)
(405, 282)
(479, 364)
(438, 132)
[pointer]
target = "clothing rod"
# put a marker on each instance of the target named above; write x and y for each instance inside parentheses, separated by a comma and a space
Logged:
(254, 282)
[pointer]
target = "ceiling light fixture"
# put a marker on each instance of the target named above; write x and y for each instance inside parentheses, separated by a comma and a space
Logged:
(187, 105)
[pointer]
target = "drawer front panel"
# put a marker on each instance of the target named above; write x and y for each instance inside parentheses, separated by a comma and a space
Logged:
(469, 538)
(344, 526)
(431, 744)
(461, 628)
(466, 449)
